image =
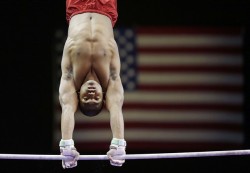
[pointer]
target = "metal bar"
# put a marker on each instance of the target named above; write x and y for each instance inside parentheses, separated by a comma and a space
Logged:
(130, 156)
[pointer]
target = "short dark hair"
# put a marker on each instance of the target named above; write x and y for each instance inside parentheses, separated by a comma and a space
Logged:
(90, 110)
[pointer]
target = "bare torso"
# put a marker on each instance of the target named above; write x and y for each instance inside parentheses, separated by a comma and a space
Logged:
(89, 47)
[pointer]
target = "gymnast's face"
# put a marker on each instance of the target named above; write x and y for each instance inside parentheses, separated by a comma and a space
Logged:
(91, 93)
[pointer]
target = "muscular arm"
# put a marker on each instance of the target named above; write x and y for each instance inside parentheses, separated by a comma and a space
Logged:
(115, 97)
(68, 99)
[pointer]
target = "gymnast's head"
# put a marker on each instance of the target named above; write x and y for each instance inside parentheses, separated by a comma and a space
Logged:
(91, 98)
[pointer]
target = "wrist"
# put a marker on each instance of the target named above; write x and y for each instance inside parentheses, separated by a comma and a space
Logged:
(67, 142)
(118, 142)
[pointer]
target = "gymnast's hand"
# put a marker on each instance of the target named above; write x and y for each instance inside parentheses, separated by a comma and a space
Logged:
(116, 152)
(71, 154)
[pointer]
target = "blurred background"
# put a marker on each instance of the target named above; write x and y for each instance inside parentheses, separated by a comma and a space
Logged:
(184, 70)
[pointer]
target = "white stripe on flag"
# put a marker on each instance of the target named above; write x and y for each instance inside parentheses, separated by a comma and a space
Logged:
(168, 40)
(189, 78)
(188, 59)
(183, 97)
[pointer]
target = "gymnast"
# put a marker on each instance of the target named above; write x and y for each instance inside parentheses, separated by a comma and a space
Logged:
(90, 77)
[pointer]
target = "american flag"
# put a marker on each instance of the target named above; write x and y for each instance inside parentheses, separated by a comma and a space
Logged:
(183, 91)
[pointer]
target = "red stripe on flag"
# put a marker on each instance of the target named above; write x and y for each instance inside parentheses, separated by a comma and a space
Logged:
(189, 30)
(184, 107)
(190, 87)
(174, 68)
(206, 50)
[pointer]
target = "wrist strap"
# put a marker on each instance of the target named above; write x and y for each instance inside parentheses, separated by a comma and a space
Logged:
(118, 142)
(68, 142)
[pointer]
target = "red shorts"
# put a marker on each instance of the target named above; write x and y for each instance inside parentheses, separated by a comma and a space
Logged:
(105, 7)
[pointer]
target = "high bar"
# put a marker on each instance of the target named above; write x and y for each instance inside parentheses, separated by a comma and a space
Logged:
(130, 156)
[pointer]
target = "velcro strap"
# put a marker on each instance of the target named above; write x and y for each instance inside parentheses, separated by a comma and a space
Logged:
(68, 142)
(118, 142)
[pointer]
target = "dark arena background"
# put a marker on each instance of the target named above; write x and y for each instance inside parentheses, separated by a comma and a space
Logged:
(185, 70)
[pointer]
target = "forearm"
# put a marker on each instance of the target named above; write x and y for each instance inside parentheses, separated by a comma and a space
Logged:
(117, 122)
(67, 123)
(114, 103)
(68, 101)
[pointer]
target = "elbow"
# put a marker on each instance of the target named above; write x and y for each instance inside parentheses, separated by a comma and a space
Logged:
(61, 100)
(115, 102)
(119, 100)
